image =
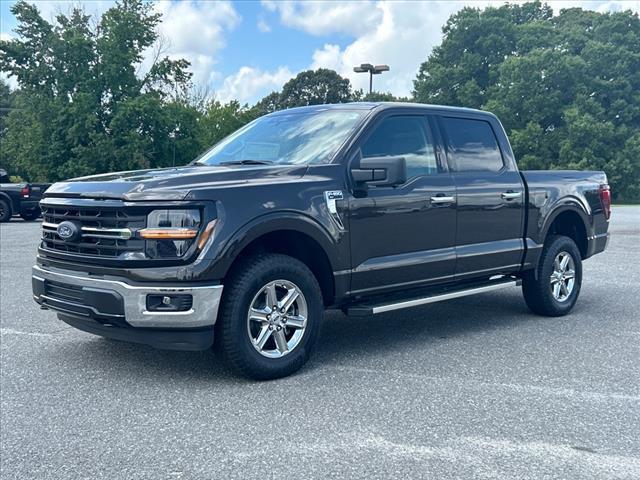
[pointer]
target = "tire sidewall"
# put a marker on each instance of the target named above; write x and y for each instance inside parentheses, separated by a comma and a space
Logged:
(7, 211)
(238, 301)
(561, 244)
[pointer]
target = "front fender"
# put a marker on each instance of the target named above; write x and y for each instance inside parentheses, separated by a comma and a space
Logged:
(229, 248)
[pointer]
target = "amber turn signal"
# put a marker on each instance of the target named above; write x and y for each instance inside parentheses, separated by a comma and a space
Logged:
(168, 233)
(206, 234)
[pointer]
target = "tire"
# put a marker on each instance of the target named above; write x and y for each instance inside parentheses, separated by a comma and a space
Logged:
(252, 285)
(5, 211)
(553, 292)
(30, 215)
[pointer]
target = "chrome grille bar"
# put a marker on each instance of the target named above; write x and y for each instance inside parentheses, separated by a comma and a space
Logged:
(95, 232)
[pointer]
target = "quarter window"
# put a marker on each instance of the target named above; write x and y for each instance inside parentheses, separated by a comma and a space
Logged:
(472, 146)
(405, 136)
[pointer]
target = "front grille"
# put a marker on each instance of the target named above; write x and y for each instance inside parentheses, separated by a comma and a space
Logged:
(105, 232)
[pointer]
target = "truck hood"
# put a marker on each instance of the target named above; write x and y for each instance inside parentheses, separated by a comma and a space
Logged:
(171, 183)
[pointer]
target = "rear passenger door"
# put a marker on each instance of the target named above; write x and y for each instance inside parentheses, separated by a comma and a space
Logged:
(490, 196)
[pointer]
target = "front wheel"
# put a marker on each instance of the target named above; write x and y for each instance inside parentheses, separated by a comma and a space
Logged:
(270, 316)
(554, 290)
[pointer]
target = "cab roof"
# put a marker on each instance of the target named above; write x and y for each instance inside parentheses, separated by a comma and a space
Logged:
(379, 106)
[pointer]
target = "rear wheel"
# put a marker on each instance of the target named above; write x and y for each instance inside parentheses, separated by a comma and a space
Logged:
(5, 211)
(30, 215)
(270, 317)
(554, 290)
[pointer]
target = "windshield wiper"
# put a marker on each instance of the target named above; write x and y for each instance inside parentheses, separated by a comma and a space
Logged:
(247, 162)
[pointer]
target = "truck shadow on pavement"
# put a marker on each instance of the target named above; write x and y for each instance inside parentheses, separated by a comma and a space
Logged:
(343, 341)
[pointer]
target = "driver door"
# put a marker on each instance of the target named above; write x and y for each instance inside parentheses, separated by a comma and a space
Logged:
(403, 236)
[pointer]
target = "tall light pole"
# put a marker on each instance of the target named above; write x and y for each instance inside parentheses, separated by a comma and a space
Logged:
(373, 70)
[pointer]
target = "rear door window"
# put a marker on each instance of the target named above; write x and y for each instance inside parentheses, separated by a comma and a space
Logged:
(472, 145)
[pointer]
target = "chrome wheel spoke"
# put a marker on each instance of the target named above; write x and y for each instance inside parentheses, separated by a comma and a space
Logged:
(569, 274)
(263, 336)
(281, 341)
(272, 297)
(556, 290)
(296, 321)
(286, 303)
(563, 289)
(259, 314)
(564, 262)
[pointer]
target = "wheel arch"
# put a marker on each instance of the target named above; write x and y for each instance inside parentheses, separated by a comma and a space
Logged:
(570, 220)
(291, 234)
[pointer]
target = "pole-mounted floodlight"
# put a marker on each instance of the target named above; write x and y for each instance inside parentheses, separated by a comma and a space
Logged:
(373, 70)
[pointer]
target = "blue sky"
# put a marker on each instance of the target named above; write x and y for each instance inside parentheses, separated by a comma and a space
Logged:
(244, 50)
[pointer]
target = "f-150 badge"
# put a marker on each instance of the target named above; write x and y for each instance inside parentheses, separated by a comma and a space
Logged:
(330, 197)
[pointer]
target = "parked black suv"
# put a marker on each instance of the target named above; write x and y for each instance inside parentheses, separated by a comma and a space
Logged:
(365, 207)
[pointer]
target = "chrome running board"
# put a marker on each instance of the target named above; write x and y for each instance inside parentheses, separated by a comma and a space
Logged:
(399, 304)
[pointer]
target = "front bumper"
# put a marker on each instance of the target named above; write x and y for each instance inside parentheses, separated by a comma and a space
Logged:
(115, 304)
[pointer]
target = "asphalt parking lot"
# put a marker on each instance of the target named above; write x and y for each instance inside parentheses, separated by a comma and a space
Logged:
(471, 388)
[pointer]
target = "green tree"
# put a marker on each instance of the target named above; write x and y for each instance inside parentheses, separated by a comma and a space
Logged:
(220, 120)
(375, 96)
(268, 104)
(82, 107)
(315, 87)
(567, 88)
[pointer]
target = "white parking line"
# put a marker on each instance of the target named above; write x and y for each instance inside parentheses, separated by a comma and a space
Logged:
(11, 331)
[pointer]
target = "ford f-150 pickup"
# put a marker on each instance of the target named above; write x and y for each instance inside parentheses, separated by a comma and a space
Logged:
(366, 207)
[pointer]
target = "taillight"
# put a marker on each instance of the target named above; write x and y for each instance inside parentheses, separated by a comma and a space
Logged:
(25, 191)
(605, 199)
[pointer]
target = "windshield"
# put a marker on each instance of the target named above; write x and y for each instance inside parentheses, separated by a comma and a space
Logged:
(286, 138)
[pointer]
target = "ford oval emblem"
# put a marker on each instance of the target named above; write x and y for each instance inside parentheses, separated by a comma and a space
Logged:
(68, 231)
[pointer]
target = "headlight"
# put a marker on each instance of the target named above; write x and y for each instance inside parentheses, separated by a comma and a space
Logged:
(170, 233)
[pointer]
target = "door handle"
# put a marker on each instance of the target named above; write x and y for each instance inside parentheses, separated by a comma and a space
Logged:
(441, 199)
(510, 195)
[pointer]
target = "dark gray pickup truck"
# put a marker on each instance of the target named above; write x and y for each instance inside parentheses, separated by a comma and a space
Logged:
(365, 207)
(19, 198)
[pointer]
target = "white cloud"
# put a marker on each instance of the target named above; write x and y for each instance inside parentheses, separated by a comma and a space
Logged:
(403, 37)
(196, 31)
(325, 17)
(263, 26)
(250, 84)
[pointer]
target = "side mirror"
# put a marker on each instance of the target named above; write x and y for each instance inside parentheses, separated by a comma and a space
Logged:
(381, 171)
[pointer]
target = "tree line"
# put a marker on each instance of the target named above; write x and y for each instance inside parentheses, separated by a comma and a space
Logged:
(566, 87)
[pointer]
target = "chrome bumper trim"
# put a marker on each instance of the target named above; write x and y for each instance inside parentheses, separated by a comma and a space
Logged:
(206, 300)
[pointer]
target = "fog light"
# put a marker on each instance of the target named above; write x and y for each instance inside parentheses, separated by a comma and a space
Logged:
(169, 303)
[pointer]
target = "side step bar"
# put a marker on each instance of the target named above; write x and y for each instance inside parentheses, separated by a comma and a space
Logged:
(359, 310)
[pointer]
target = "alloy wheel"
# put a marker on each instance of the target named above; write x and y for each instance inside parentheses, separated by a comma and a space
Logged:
(562, 280)
(277, 318)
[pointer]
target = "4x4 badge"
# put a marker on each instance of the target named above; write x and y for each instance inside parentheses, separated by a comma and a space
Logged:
(330, 197)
